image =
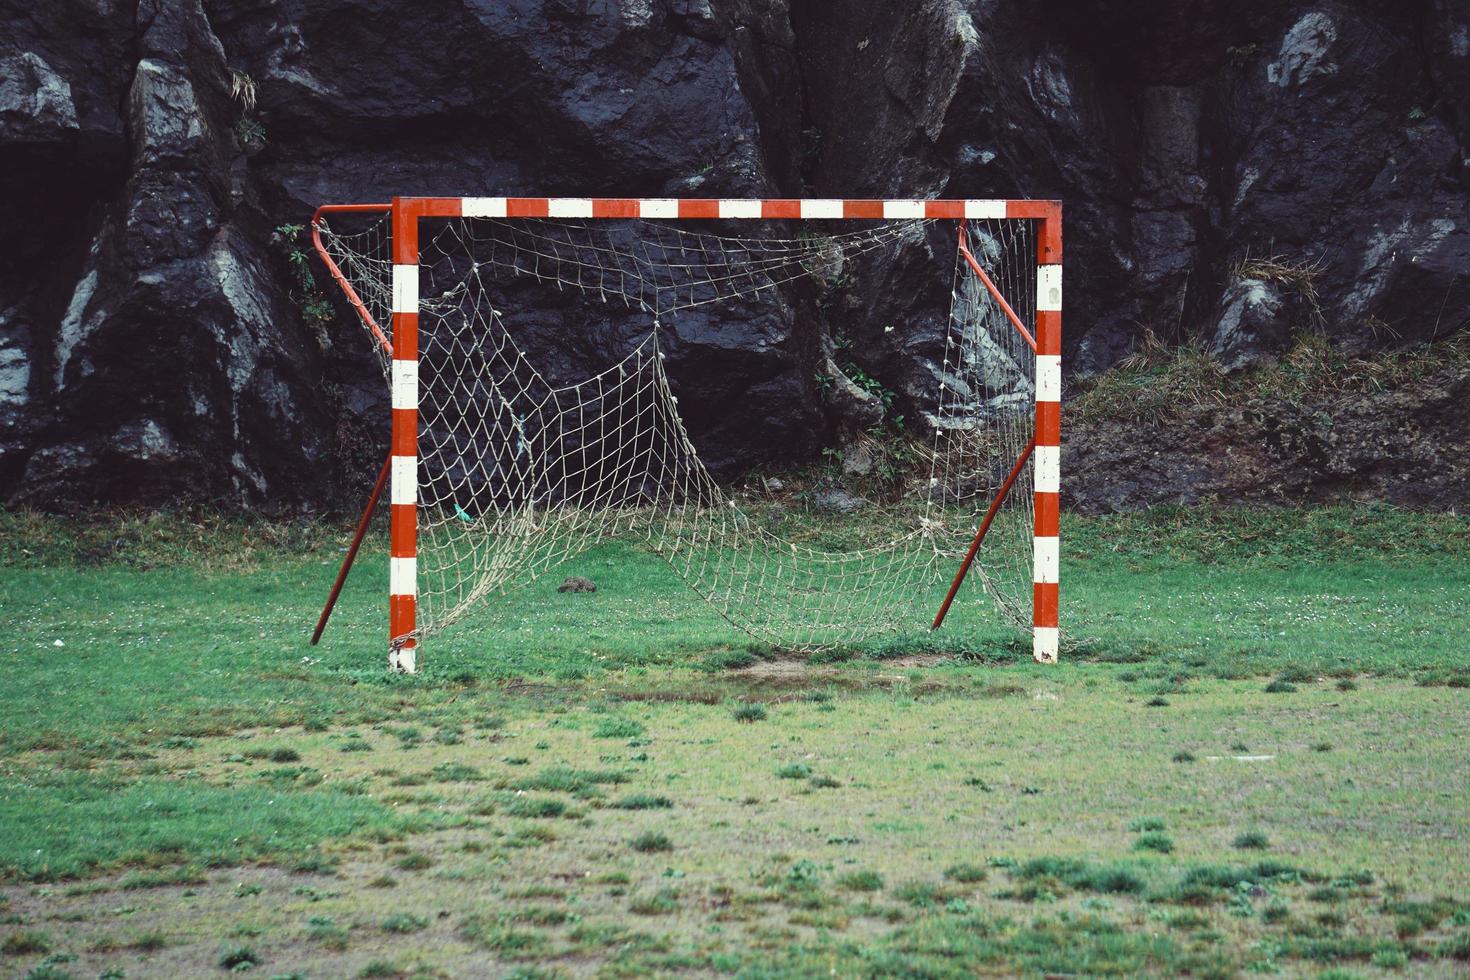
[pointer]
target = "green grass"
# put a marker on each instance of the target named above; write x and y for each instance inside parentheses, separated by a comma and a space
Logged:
(1233, 593)
(651, 842)
(581, 779)
(1159, 843)
(69, 824)
(750, 713)
(644, 801)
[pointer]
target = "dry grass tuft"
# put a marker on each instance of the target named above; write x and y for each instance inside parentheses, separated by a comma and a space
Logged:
(1294, 276)
(242, 89)
(1159, 381)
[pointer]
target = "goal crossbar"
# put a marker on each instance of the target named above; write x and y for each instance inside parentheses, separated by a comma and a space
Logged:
(401, 343)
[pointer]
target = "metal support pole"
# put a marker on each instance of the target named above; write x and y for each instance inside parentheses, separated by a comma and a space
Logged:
(362, 526)
(1005, 489)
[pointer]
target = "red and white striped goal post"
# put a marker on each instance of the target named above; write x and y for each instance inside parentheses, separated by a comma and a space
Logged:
(403, 481)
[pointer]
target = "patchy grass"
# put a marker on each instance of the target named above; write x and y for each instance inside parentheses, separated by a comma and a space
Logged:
(618, 728)
(404, 923)
(1156, 842)
(566, 780)
(651, 842)
(644, 801)
(861, 881)
(570, 784)
(750, 713)
(118, 823)
(25, 944)
(238, 959)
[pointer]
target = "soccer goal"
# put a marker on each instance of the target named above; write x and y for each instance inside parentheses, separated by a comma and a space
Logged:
(501, 469)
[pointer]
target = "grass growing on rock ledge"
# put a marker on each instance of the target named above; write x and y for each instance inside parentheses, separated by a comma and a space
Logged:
(1159, 381)
(1251, 760)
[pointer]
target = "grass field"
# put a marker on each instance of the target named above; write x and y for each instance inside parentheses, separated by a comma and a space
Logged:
(1252, 760)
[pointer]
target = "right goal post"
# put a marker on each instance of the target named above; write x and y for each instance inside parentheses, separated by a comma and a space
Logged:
(499, 470)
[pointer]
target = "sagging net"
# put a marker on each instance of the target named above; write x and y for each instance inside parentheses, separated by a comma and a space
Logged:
(520, 472)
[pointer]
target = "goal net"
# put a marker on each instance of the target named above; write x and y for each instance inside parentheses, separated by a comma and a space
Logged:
(504, 469)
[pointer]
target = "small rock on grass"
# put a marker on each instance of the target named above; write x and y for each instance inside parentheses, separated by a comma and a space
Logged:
(837, 502)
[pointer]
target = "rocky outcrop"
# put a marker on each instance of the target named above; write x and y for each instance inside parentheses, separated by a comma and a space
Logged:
(164, 359)
(1251, 323)
(1233, 171)
(1404, 445)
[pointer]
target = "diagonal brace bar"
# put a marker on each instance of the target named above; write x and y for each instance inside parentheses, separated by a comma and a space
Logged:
(331, 264)
(1005, 489)
(362, 526)
(994, 292)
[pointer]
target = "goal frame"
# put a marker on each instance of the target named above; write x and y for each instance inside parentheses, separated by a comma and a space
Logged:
(406, 213)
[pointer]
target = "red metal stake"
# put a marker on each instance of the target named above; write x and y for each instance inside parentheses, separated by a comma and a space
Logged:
(1005, 489)
(362, 526)
(994, 292)
(331, 264)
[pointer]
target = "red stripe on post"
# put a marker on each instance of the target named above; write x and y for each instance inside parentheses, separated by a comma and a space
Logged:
(944, 209)
(405, 240)
(862, 209)
(1035, 210)
(781, 209)
(527, 207)
(1048, 423)
(1049, 242)
(406, 336)
(432, 207)
(406, 214)
(402, 527)
(405, 432)
(615, 208)
(1045, 603)
(1049, 332)
(1048, 515)
(401, 610)
(1049, 235)
(699, 209)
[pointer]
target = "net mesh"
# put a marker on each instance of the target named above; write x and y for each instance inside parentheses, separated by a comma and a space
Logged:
(520, 472)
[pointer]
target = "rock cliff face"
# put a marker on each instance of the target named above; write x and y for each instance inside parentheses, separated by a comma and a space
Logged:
(1232, 171)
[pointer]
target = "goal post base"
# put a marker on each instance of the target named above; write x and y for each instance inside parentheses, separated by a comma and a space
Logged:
(403, 658)
(1044, 643)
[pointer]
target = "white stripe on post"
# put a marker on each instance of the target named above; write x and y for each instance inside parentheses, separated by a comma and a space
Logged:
(569, 207)
(1048, 560)
(740, 209)
(403, 576)
(405, 289)
(1048, 474)
(1048, 377)
(821, 209)
(404, 480)
(658, 208)
(482, 207)
(903, 209)
(1049, 288)
(405, 384)
(979, 210)
(407, 660)
(1044, 644)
